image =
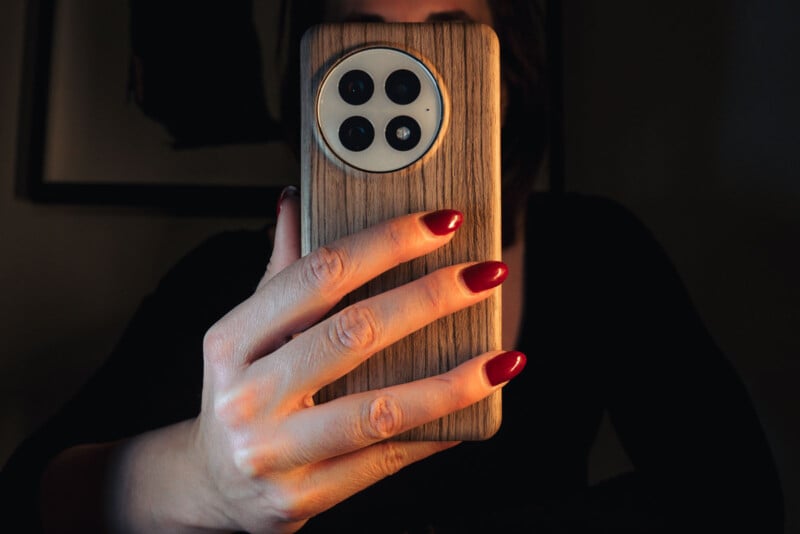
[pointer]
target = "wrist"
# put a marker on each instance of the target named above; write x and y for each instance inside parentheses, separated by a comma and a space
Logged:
(161, 484)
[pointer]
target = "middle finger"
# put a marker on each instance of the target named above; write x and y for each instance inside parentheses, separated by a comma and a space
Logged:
(302, 293)
(338, 344)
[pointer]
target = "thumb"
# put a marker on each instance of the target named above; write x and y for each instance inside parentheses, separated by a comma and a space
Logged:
(286, 244)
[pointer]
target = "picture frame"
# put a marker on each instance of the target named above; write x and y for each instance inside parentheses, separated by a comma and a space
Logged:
(84, 138)
(86, 135)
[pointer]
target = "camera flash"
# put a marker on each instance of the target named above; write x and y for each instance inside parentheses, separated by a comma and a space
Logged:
(403, 133)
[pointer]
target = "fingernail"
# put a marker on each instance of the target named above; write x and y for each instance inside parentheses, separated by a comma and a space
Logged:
(504, 367)
(288, 191)
(443, 222)
(483, 276)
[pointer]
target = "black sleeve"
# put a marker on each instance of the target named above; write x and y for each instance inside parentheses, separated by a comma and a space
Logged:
(682, 413)
(153, 378)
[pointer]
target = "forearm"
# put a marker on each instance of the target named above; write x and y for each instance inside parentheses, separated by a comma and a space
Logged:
(149, 483)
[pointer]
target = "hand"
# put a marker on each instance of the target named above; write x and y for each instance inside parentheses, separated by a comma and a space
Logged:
(271, 458)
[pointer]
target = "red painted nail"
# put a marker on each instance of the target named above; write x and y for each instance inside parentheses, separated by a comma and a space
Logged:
(483, 276)
(443, 222)
(504, 367)
(288, 191)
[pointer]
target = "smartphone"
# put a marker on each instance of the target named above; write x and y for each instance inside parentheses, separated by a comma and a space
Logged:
(400, 118)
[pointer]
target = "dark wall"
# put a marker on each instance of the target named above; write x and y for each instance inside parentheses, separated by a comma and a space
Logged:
(688, 113)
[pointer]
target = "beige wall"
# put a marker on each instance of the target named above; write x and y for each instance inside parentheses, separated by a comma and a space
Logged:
(70, 276)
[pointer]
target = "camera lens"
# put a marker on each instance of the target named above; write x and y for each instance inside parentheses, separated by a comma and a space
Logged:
(402, 86)
(356, 133)
(356, 87)
(403, 133)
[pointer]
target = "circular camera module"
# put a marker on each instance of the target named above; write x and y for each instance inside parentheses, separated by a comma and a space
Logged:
(356, 133)
(402, 86)
(379, 109)
(356, 87)
(403, 133)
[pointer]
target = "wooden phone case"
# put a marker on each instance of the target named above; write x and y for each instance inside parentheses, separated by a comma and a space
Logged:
(460, 171)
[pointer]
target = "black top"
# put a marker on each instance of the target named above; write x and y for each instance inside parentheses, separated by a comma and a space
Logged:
(607, 326)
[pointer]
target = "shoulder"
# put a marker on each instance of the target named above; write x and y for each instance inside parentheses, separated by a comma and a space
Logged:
(578, 212)
(598, 247)
(219, 272)
(229, 253)
(587, 225)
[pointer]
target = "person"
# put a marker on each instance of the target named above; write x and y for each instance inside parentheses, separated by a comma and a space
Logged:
(203, 420)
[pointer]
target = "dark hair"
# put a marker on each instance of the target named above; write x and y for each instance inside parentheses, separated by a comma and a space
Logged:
(519, 25)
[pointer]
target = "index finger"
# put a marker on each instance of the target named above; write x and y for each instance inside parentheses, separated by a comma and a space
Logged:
(305, 291)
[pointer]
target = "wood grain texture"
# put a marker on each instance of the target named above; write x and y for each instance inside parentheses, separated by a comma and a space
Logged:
(461, 171)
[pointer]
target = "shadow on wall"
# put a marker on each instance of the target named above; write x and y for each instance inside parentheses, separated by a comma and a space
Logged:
(196, 69)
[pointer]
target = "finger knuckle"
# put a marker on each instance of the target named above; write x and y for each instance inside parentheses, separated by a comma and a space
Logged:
(258, 462)
(392, 459)
(218, 344)
(383, 418)
(393, 234)
(325, 268)
(459, 395)
(237, 407)
(432, 295)
(289, 507)
(355, 329)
